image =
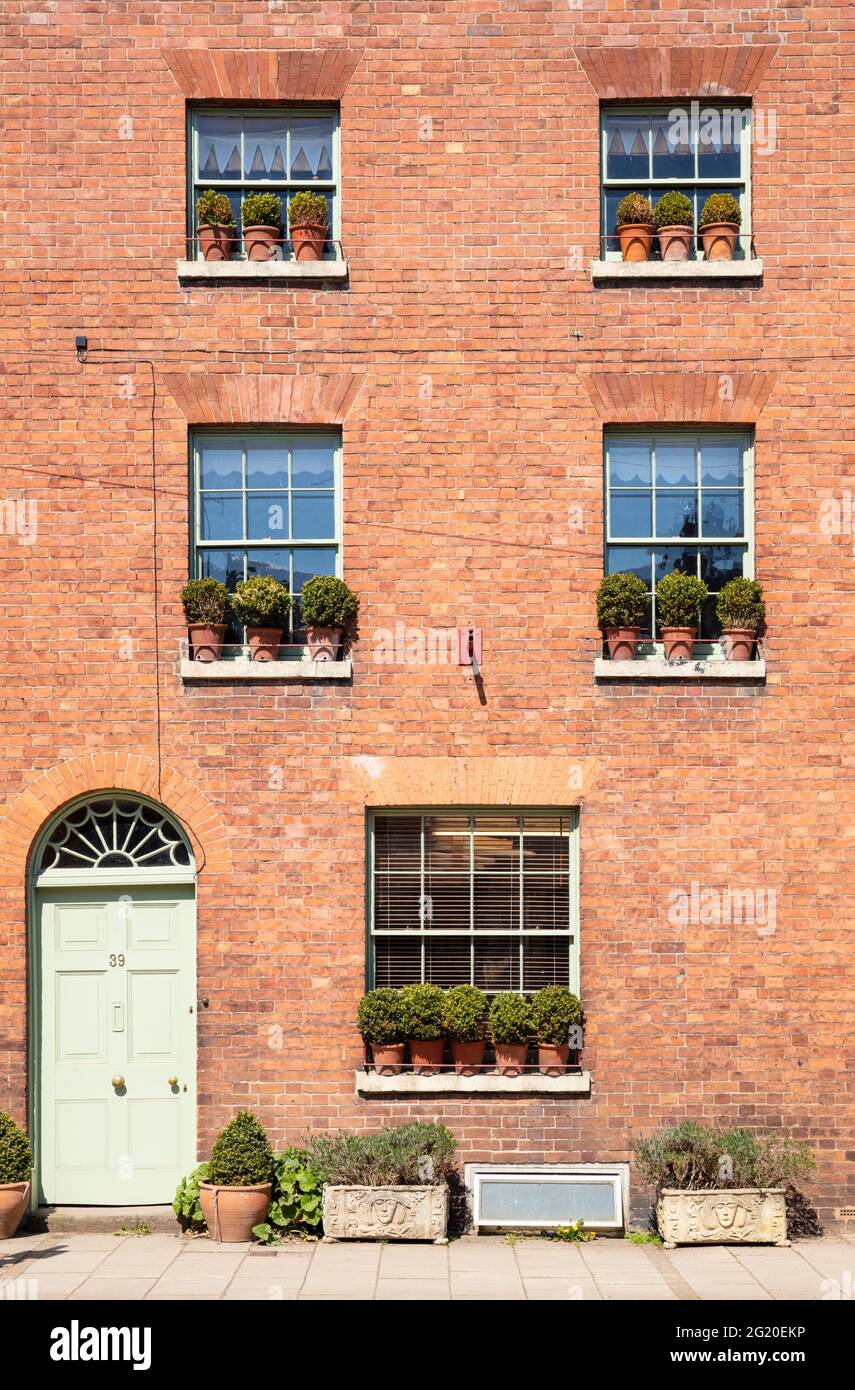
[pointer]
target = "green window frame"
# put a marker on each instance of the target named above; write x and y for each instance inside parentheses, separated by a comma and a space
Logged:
(642, 150)
(703, 479)
(263, 149)
(474, 896)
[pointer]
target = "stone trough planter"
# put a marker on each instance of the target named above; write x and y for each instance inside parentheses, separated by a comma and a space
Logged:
(386, 1213)
(722, 1216)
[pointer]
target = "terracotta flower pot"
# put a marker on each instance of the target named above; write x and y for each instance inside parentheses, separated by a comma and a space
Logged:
(388, 1058)
(719, 239)
(738, 643)
(511, 1057)
(216, 243)
(261, 242)
(675, 243)
(231, 1212)
(636, 240)
(308, 242)
(679, 643)
(14, 1197)
(263, 642)
(323, 643)
(553, 1058)
(206, 640)
(426, 1055)
(468, 1057)
(623, 642)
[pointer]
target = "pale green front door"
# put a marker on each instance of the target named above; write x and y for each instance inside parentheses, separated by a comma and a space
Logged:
(117, 1065)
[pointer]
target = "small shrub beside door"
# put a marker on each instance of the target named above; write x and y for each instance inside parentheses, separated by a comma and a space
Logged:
(16, 1166)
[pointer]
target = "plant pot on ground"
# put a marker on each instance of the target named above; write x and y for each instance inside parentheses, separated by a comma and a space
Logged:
(261, 215)
(679, 600)
(741, 611)
(380, 1019)
(262, 605)
(422, 1010)
(719, 223)
(634, 222)
(622, 601)
(308, 219)
(328, 607)
(555, 1011)
(215, 226)
(16, 1165)
(511, 1026)
(673, 218)
(237, 1193)
(206, 607)
(464, 1014)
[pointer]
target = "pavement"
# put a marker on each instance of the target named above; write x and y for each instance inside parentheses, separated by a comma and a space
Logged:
(160, 1266)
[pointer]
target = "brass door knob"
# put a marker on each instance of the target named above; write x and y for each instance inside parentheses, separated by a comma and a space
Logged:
(172, 1080)
(117, 1082)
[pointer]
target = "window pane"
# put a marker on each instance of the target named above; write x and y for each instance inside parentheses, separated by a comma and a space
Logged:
(447, 905)
(722, 514)
(448, 961)
(313, 515)
(676, 465)
(397, 902)
(264, 148)
(627, 147)
(497, 902)
(497, 963)
(267, 465)
(629, 463)
(631, 514)
(709, 627)
(397, 843)
(313, 464)
(630, 559)
(719, 563)
(446, 844)
(267, 516)
(219, 147)
(311, 147)
(719, 139)
(721, 463)
(307, 563)
(497, 844)
(546, 903)
(672, 558)
(546, 961)
(225, 565)
(220, 466)
(397, 961)
(676, 514)
(222, 516)
(673, 157)
(269, 562)
(546, 846)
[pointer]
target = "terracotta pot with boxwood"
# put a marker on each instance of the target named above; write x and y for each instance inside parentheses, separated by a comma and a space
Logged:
(673, 218)
(621, 609)
(463, 1020)
(422, 1010)
(679, 600)
(511, 1027)
(237, 1194)
(634, 221)
(262, 605)
(555, 1010)
(215, 226)
(742, 613)
(16, 1166)
(328, 607)
(261, 215)
(380, 1019)
(308, 219)
(719, 223)
(206, 607)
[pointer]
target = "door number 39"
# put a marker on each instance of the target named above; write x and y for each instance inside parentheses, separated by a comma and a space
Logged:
(117, 960)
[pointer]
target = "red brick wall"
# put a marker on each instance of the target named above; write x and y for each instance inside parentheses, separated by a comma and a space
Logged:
(472, 319)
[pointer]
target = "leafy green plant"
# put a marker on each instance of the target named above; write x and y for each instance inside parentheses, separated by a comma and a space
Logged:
(464, 1012)
(16, 1156)
(328, 602)
(740, 604)
(621, 601)
(261, 601)
(380, 1017)
(421, 1012)
(215, 209)
(511, 1019)
(297, 1201)
(205, 601)
(261, 210)
(634, 210)
(720, 207)
(308, 210)
(140, 1229)
(692, 1156)
(673, 210)
(555, 1010)
(186, 1204)
(679, 600)
(241, 1155)
(574, 1232)
(643, 1238)
(415, 1154)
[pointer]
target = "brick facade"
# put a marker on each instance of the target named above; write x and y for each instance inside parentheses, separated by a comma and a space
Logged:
(472, 366)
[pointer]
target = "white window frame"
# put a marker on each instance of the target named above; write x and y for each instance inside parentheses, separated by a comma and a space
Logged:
(614, 1175)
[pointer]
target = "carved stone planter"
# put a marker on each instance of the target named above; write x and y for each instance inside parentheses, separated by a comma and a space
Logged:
(722, 1216)
(386, 1213)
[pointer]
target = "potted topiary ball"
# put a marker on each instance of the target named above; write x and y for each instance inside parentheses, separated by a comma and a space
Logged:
(262, 605)
(555, 1011)
(215, 225)
(328, 607)
(237, 1194)
(380, 1018)
(422, 1009)
(463, 1021)
(634, 222)
(16, 1165)
(206, 607)
(308, 219)
(261, 214)
(742, 613)
(673, 218)
(511, 1026)
(621, 610)
(679, 600)
(719, 224)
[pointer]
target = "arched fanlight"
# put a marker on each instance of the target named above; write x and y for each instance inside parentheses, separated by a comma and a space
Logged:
(115, 832)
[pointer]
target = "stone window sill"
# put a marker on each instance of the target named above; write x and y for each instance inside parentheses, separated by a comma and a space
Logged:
(407, 1083)
(656, 668)
(605, 271)
(296, 272)
(193, 672)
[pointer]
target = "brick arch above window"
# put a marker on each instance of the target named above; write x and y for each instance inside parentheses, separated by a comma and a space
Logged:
(219, 74)
(638, 73)
(319, 398)
(679, 398)
(525, 781)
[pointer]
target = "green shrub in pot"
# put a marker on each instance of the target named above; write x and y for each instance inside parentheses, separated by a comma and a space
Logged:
(328, 607)
(206, 608)
(422, 1007)
(262, 605)
(16, 1162)
(622, 601)
(215, 225)
(634, 222)
(241, 1155)
(511, 1026)
(742, 613)
(673, 217)
(464, 1016)
(396, 1157)
(261, 215)
(679, 601)
(555, 1010)
(308, 218)
(719, 223)
(380, 1018)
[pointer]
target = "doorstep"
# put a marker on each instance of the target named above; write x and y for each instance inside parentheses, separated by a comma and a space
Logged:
(602, 271)
(296, 272)
(193, 672)
(656, 668)
(102, 1220)
(408, 1083)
